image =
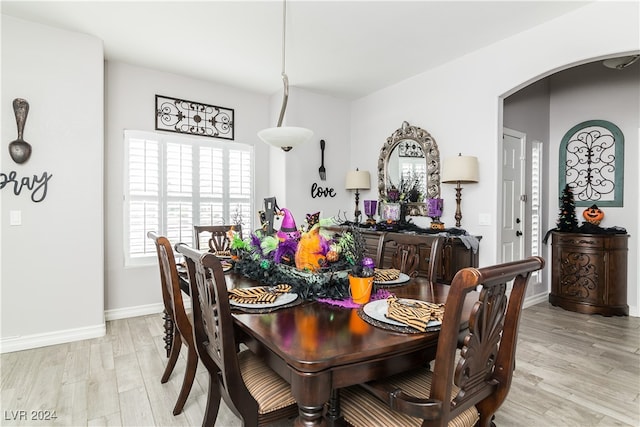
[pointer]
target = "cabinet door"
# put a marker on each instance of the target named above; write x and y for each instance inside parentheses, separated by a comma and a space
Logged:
(456, 256)
(580, 274)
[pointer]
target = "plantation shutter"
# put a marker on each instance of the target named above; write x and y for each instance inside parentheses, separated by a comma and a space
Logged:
(174, 182)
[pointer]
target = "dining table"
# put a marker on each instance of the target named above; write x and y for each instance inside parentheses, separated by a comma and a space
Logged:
(319, 348)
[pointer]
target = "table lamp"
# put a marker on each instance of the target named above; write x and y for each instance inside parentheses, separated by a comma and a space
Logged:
(357, 180)
(460, 170)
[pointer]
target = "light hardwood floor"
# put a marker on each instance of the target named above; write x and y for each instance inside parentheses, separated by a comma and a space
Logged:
(571, 370)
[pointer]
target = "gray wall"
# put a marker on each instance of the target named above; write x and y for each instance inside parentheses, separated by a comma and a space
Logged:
(594, 92)
(547, 109)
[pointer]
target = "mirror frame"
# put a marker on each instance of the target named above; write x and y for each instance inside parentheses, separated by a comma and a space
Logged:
(432, 158)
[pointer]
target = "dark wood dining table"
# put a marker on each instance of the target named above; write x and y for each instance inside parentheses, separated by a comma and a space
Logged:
(319, 348)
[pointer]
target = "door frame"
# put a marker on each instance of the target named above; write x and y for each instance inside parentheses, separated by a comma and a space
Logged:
(526, 226)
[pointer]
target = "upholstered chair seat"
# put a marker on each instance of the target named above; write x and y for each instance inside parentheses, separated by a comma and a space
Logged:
(362, 409)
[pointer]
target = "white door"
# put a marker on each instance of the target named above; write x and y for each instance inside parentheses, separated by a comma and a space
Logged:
(513, 195)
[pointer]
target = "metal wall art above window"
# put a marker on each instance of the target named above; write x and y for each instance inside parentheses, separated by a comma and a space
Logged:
(592, 163)
(194, 118)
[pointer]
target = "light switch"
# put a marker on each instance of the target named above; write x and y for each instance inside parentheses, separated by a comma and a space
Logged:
(15, 217)
(484, 219)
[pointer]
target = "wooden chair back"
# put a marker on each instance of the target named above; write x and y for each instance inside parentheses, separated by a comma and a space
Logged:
(487, 359)
(181, 329)
(216, 344)
(412, 254)
(373, 245)
(171, 293)
(218, 239)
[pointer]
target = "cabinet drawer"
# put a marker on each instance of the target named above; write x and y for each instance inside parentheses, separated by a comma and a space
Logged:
(575, 239)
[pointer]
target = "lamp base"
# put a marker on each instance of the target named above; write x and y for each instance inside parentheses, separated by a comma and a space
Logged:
(357, 213)
(458, 215)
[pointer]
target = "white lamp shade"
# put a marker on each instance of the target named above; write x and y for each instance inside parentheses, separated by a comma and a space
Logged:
(358, 180)
(285, 136)
(460, 169)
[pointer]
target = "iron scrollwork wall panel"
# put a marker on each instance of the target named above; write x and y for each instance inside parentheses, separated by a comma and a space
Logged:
(194, 118)
(592, 163)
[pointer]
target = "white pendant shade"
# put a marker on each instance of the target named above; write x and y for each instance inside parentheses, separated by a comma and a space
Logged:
(285, 137)
(460, 169)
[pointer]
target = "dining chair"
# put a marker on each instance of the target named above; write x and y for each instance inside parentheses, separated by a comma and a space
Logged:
(252, 391)
(373, 244)
(471, 390)
(218, 240)
(182, 330)
(412, 254)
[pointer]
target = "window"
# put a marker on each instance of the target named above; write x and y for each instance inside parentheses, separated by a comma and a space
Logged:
(536, 206)
(173, 182)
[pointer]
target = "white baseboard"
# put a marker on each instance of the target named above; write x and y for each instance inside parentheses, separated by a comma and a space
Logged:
(27, 342)
(139, 310)
(535, 299)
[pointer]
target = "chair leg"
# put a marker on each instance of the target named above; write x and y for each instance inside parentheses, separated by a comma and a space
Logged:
(333, 406)
(213, 403)
(176, 345)
(189, 375)
(486, 420)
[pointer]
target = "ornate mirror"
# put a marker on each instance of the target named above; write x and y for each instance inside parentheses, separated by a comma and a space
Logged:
(410, 160)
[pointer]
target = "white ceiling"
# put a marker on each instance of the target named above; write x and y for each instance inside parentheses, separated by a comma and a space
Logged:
(341, 48)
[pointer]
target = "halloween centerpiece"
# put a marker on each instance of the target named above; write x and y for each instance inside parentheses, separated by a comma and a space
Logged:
(593, 217)
(315, 262)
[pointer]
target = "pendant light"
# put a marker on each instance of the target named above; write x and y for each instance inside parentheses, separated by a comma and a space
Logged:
(285, 137)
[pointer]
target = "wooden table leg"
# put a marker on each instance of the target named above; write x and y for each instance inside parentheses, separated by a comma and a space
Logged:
(310, 416)
(312, 392)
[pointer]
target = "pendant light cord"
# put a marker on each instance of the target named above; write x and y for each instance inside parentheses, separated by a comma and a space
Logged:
(285, 79)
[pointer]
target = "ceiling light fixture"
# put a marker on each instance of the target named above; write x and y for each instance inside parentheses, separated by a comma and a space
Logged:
(285, 137)
(621, 62)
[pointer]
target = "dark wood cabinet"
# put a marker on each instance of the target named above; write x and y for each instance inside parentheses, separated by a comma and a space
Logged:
(589, 273)
(455, 255)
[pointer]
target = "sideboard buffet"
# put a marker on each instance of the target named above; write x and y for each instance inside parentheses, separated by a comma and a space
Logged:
(455, 254)
(589, 273)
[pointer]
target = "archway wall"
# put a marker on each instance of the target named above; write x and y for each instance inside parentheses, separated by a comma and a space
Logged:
(460, 104)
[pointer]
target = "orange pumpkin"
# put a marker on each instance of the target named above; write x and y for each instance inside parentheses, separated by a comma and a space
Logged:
(593, 215)
(309, 253)
(332, 256)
